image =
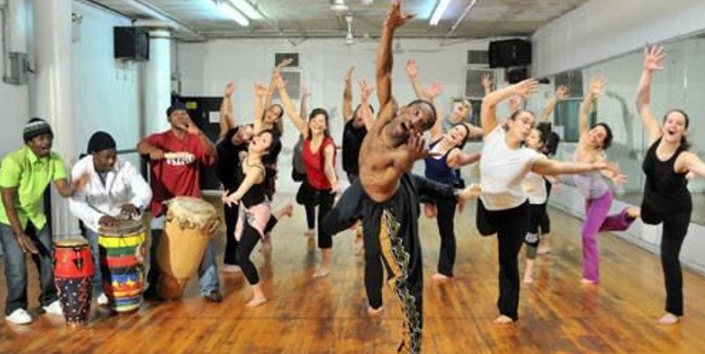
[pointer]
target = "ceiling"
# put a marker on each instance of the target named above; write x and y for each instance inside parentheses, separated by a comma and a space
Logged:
(303, 19)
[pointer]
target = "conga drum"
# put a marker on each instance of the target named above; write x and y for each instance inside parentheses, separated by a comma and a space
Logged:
(73, 275)
(189, 224)
(121, 258)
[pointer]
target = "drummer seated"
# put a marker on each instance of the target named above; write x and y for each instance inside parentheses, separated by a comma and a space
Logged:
(115, 190)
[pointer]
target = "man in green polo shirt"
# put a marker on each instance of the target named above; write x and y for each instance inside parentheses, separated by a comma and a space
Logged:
(24, 176)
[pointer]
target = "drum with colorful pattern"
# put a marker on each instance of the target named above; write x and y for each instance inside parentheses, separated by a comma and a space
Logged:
(121, 258)
(73, 275)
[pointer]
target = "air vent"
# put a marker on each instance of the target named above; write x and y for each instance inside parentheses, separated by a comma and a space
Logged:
(478, 57)
(473, 82)
(573, 80)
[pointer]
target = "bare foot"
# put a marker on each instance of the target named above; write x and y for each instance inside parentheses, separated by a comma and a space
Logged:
(358, 245)
(375, 311)
(430, 210)
(256, 301)
(266, 244)
(584, 281)
(668, 319)
(440, 277)
(632, 212)
(320, 273)
(543, 250)
(231, 268)
(503, 320)
(528, 279)
(310, 233)
(287, 210)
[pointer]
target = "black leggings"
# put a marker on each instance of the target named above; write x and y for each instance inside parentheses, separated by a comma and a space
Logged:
(248, 241)
(511, 226)
(675, 227)
(230, 214)
(309, 197)
(545, 224)
(231, 243)
(537, 213)
(445, 219)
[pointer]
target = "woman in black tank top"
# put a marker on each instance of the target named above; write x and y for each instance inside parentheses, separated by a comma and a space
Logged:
(254, 212)
(666, 198)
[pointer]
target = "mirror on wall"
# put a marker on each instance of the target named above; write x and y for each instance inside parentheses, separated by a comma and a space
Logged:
(680, 84)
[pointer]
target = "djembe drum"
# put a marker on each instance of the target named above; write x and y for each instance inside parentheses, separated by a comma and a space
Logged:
(189, 225)
(73, 275)
(121, 258)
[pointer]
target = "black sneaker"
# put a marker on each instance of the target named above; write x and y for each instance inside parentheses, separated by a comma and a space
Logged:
(214, 296)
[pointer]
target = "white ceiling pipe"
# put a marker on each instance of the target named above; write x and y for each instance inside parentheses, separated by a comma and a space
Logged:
(158, 14)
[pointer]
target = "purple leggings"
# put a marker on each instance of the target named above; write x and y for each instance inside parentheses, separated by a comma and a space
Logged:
(596, 221)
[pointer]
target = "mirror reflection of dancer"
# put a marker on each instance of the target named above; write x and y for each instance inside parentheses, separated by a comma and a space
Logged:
(385, 196)
(667, 200)
(174, 178)
(503, 207)
(592, 144)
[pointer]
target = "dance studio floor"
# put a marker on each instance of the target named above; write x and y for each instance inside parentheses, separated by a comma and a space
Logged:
(329, 315)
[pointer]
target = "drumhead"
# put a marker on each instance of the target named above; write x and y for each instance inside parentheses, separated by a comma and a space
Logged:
(124, 227)
(71, 242)
(191, 211)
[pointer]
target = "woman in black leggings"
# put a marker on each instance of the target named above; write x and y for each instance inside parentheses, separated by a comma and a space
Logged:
(666, 197)
(254, 211)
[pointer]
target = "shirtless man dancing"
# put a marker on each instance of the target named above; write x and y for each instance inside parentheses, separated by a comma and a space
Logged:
(386, 196)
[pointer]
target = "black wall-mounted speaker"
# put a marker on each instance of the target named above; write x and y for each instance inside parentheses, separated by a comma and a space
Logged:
(131, 43)
(511, 52)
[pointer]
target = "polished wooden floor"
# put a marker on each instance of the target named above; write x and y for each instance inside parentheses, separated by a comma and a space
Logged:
(329, 315)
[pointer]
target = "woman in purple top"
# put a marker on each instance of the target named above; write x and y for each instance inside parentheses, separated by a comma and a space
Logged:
(598, 196)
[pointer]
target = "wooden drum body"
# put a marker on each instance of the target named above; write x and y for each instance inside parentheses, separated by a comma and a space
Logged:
(121, 264)
(189, 224)
(73, 275)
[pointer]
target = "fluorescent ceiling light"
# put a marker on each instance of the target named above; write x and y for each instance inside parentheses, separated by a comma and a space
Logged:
(246, 8)
(438, 11)
(236, 16)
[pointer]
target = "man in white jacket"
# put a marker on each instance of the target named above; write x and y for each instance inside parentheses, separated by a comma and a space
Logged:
(115, 190)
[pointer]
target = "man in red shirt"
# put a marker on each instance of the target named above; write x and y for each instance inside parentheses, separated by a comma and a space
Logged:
(175, 177)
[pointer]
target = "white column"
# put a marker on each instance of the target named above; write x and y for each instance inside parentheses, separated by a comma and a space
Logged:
(52, 93)
(157, 82)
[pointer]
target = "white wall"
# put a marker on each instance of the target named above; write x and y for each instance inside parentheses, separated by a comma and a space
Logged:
(105, 91)
(15, 102)
(602, 29)
(205, 68)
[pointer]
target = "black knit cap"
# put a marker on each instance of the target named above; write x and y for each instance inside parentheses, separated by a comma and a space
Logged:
(100, 141)
(176, 106)
(34, 128)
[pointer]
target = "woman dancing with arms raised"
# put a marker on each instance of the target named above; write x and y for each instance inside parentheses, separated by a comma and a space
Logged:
(666, 197)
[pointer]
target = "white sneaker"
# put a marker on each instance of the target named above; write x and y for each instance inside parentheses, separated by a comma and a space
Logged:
(19, 316)
(54, 308)
(102, 300)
